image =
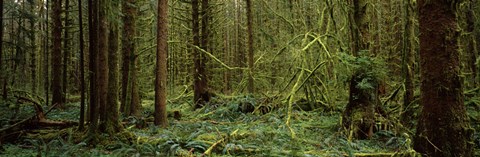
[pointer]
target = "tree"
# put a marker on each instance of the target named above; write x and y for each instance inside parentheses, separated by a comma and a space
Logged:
(250, 47)
(112, 113)
(57, 97)
(200, 94)
(161, 66)
(2, 74)
(130, 100)
(93, 50)
(358, 117)
(102, 67)
(443, 128)
(408, 63)
(82, 67)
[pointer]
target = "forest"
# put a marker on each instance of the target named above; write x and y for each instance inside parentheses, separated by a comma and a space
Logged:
(367, 78)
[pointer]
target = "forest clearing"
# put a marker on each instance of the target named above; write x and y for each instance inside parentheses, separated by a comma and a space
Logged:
(367, 78)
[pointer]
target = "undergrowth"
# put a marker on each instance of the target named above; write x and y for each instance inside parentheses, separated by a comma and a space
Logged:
(222, 128)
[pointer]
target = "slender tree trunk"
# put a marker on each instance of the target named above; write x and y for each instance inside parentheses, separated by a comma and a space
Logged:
(250, 47)
(46, 56)
(199, 78)
(470, 43)
(93, 51)
(33, 54)
(82, 67)
(57, 55)
(66, 50)
(102, 68)
(161, 67)
(113, 124)
(443, 129)
(408, 65)
(134, 96)
(128, 58)
(2, 73)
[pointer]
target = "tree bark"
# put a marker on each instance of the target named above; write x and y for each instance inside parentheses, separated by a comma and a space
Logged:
(408, 65)
(93, 51)
(161, 66)
(66, 49)
(102, 71)
(250, 47)
(2, 73)
(82, 67)
(57, 90)
(199, 77)
(443, 128)
(112, 113)
(128, 59)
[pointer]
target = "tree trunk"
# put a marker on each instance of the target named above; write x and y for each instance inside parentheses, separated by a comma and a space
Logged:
(2, 73)
(250, 47)
(33, 53)
(443, 128)
(66, 51)
(102, 71)
(57, 55)
(161, 67)
(199, 78)
(112, 121)
(408, 65)
(82, 67)
(93, 51)
(128, 58)
(359, 115)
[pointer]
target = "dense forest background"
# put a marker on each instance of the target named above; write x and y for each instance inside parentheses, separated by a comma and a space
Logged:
(240, 78)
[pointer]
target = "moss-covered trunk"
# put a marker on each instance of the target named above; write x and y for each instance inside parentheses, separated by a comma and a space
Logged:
(443, 128)
(112, 121)
(359, 115)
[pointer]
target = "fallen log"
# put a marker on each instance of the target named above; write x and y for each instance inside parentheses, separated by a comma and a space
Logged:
(36, 121)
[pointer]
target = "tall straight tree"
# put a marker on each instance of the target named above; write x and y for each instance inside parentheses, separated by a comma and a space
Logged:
(130, 101)
(2, 74)
(200, 94)
(66, 49)
(408, 62)
(82, 67)
(250, 46)
(102, 68)
(161, 67)
(443, 128)
(112, 113)
(93, 50)
(57, 97)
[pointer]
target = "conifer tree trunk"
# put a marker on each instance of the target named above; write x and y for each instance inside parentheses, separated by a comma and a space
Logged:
(33, 52)
(130, 100)
(93, 50)
(82, 67)
(408, 65)
(57, 90)
(199, 77)
(66, 49)
(2, 73)
(112, 113)
(161, 65)
(250, 47)
(102, 68)
(443, 128)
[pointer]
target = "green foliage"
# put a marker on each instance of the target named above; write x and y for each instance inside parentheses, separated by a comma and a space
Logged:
(370, 69)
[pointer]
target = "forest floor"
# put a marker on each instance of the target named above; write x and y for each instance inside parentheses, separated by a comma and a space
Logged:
(225, 127)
